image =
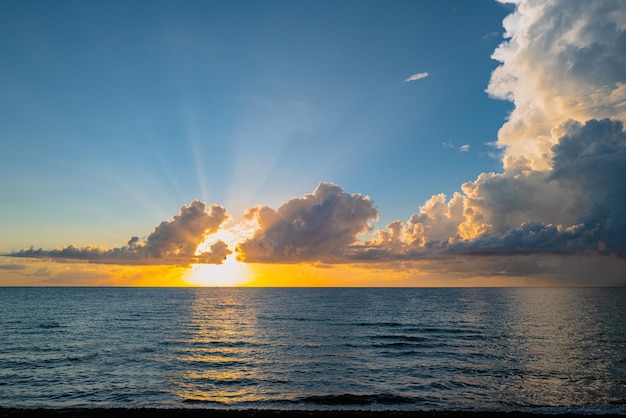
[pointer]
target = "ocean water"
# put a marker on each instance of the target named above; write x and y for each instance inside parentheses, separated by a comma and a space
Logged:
(428, 349)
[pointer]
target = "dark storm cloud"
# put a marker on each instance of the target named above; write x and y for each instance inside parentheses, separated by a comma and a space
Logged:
(592, 157)
(530, 238)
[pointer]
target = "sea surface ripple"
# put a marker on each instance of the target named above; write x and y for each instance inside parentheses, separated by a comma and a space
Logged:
(525, 349)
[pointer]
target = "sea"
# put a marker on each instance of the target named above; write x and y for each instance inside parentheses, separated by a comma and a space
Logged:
(489, 349)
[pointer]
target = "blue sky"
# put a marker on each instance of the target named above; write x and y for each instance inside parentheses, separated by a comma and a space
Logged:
(344, 143)
(116, 113)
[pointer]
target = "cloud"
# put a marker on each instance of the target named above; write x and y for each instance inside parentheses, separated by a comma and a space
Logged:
(415, 77)
(42, 272)
(533, 269)
(79, 277)
(219, 252)
(591, 159)
(181, 236)
(561, 192)
(12, 267)
(562, 60)
(575, 208)
(462, 148)
(491, 35)
(529, 238)
(318, 227)
(171, 242)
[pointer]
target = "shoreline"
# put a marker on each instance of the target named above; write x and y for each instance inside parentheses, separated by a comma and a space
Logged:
(275, 413)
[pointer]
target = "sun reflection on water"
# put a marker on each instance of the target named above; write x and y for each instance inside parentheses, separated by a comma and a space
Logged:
(220, 355)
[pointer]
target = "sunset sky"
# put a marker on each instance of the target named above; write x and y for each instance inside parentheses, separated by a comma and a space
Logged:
(313, 143)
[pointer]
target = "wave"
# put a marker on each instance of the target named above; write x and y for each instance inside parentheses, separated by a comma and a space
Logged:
(202, 401)
(399, 338)
(379, 324)
(353, 399)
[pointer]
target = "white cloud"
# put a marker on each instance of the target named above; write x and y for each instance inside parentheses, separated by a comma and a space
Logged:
(562, 60)
(464, 148)
(561, 193)
(417, 76)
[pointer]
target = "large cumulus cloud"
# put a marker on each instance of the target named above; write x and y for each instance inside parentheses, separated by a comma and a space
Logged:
(171, 242)
(575, 208)
(564, 59)
(561, 192)
(318, 227)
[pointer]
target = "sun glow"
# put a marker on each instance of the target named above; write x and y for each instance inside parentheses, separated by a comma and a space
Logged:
(231, 234)
(230, 273)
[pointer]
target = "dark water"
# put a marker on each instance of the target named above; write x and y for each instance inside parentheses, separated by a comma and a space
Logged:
(486, 349)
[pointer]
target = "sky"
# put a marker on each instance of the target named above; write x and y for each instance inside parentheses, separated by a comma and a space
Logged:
(301, 143)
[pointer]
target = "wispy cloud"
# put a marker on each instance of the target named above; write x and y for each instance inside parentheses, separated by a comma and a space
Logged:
(490, 36)
(417, 76)
(462, 148)
(12, 267)
(42, 272)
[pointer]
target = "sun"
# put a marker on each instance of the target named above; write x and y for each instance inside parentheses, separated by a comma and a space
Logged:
(230, 273)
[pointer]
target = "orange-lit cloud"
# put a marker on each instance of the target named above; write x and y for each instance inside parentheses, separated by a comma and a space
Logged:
(171, 242)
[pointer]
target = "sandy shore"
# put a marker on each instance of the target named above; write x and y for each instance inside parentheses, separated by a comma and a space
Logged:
(212, 413)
